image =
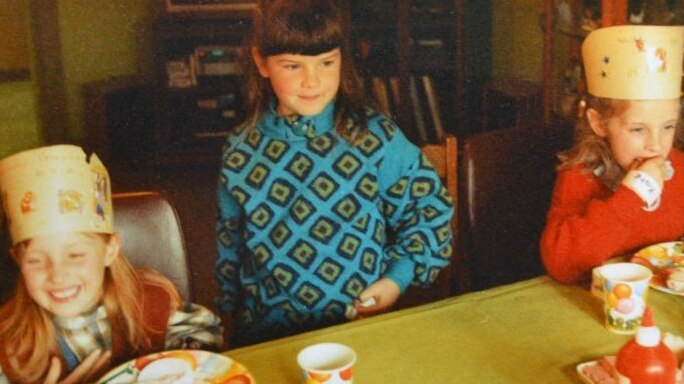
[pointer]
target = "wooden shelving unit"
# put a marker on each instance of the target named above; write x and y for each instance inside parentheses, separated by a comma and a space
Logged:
(410, 39)
(613, 12)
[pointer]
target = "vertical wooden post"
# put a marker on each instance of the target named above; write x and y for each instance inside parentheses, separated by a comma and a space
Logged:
(548, 61)
(403, 23)
(460, 117)
(613, 12)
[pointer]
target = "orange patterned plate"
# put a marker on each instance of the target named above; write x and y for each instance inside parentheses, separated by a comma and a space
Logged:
(180, 366)
(662, 258)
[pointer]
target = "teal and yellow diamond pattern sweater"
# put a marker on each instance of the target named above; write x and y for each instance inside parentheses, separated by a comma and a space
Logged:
(307, 221)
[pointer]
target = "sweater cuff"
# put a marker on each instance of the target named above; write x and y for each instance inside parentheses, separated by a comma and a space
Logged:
(629, 202)
(401, 272)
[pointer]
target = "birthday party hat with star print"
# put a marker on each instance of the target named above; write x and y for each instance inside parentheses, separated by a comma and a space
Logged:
(55, 189)
(634, 62)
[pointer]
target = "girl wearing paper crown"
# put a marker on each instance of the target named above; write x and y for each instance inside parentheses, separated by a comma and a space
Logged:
(621, 186)
(79, 308)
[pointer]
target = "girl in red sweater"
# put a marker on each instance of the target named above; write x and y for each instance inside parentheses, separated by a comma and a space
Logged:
(621, 186)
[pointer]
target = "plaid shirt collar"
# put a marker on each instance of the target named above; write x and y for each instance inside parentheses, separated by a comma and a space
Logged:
(85, 333)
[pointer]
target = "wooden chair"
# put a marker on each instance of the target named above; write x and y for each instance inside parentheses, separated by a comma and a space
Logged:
(151, 236)
(444, 158)
(508, 175)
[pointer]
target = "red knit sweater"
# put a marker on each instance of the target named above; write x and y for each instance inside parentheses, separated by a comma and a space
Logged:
(588, 223)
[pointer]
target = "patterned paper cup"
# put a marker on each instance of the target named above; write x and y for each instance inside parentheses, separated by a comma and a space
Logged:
(327, 363)
(625, 288)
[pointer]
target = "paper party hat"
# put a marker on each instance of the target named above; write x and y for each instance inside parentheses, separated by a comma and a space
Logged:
(55, 189)
(634, 62)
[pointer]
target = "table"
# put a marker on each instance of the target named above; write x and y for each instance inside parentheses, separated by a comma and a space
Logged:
(534, 331)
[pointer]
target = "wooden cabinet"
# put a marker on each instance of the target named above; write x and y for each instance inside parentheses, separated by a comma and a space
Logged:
(197, 86)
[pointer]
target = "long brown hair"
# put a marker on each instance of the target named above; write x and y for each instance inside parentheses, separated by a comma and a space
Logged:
(29, 340)
(306, 27)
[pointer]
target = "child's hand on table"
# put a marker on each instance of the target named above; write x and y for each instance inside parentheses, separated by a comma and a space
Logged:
(86, 372)
(377, 297)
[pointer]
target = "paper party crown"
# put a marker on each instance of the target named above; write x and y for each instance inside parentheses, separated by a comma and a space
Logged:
(634, 62)
(54, 189)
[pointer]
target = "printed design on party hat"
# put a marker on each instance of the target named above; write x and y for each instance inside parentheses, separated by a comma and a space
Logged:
(656, 57)
(653, 59)
(101, 194)
(26, 202)
(70, 201)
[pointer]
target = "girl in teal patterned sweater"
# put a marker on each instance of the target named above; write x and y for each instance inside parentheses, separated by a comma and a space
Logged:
(323, 203)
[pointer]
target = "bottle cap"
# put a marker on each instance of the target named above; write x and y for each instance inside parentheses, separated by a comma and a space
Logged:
(648, 335)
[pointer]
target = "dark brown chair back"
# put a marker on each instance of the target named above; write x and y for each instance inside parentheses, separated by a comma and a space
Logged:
(508, 175)
(8, 269)
(151, 236)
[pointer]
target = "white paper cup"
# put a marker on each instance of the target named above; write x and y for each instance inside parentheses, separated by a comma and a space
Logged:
(625, 288)
(327, 363)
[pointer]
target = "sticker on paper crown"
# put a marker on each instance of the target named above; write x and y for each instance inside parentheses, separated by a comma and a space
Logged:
(634, 62)
(55, 189)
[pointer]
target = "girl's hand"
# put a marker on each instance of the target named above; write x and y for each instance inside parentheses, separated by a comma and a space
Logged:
(384, 292)
(86, 372)
(654, 166)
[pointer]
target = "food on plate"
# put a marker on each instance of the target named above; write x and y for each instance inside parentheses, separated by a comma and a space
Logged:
(603, 372)
(170, 370)
(661, 255)
(675, 279)
(666, 260)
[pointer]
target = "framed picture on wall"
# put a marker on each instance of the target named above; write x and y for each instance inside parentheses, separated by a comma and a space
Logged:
(209, 7)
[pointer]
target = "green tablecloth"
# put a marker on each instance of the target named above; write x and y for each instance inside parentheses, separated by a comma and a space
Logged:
(535, 331)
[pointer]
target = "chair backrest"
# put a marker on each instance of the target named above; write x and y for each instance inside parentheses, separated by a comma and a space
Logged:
(508, 175)
(8, 268)
(444, 158)
(151, 236)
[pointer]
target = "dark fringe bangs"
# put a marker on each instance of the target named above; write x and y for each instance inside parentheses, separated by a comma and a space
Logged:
(300, 32)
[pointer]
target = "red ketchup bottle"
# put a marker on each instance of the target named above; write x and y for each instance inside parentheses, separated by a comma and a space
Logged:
(645, 359)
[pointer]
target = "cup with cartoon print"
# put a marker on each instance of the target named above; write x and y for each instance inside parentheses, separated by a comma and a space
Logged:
(625, 289)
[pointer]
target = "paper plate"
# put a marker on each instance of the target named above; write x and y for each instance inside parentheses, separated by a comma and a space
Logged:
(582, 371)
(180, 366)
(660, 257)
(595, 372)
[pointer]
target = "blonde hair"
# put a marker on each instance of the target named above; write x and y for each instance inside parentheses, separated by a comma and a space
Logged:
(29, 340)
(591, 151)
